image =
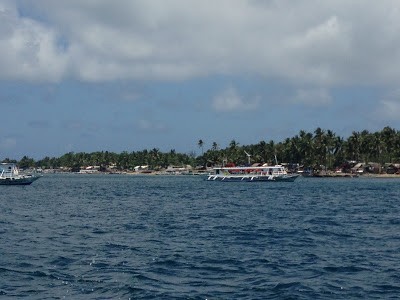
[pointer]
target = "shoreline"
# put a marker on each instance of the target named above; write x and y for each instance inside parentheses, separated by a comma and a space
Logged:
(161, 173)
(351, 175)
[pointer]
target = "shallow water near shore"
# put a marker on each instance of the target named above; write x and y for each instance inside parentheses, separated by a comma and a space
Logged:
(181, 237)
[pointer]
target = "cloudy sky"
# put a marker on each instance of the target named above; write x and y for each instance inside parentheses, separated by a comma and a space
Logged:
(128, 75)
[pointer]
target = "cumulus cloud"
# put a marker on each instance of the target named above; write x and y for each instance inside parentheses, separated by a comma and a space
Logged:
(230, 100)
(28, 49)
(332, 42)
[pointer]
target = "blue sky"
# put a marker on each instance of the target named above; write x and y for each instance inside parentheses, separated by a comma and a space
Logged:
(142, 74)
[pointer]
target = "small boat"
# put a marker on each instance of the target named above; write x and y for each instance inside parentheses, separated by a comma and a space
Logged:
(263, 173)
(10, 175)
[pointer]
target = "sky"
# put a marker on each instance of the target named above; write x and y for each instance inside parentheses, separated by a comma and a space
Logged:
(129, 75)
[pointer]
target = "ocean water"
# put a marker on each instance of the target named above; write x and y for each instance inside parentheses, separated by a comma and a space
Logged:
(180, 237)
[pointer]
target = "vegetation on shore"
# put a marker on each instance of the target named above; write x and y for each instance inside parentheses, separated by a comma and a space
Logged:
(310, 149)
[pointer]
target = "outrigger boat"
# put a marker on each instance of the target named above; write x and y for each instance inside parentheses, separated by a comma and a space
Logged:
(10, 175)
(263, 173)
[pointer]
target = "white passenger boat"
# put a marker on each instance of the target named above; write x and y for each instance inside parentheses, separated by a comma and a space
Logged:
(10, 175)
(263, 173)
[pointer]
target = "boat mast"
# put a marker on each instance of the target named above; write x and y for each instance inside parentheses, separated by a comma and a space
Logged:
(248, 156)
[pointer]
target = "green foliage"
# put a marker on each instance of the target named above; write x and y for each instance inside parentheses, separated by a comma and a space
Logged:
(311, 149)
(321, 148)
(26, 163)
(154, 158)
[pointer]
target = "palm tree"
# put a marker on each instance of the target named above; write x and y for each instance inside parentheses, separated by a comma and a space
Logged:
(320, 146)
(306, 147)
(295, 155)
(233, 144)
(26, 162)
(338, 153)
(376, 146)
(155, 157)
(262, 151)
(272, 150)
(286, 150)
(353, 146)
(200, 143)
(396, 153)
(388, 135)
(233, 151)
(366, 145)
(330, 140)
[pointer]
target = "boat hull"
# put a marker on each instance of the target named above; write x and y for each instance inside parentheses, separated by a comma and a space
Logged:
(10, 175)
(283, 178)
(18, 181)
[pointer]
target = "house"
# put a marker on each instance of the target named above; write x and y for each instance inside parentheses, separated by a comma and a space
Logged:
(370, 167)
(141, 168)
(358, 168)
(178, 170)
(392, 168)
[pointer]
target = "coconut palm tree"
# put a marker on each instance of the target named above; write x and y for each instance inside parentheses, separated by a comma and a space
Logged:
(330, 139)
(320, 146)
(353, 146)
(388, 136)
(366, 145)
(200, 143)
(233, 152)
(306, 147)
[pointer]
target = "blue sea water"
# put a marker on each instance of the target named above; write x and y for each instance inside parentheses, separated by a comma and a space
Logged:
(180, 237)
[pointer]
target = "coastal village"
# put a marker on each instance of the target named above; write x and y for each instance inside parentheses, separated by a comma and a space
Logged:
(356, 169)
(320, 153)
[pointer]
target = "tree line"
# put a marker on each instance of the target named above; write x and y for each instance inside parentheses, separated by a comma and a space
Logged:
(154, 158)
(318, 149)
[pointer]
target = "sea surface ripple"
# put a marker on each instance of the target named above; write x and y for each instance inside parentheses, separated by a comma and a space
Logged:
(181, 237)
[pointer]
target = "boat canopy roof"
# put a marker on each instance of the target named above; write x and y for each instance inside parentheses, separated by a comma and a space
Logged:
(250, 168)
(7, 166)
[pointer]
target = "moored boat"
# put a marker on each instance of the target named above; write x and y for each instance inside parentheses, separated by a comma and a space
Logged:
(262, 173)
(10, 175)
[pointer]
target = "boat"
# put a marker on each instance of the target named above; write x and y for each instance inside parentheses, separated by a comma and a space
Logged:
(10, 175)
(258, 173)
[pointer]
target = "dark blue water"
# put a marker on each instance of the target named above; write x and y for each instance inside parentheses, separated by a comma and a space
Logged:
(155, 237)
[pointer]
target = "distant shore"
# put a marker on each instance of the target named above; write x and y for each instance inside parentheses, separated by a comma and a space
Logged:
(381, 175)
(352, 175)
(163, 173)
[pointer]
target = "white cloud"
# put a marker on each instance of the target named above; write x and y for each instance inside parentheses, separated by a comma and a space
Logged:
(230, 100)
(312, 97)
(28, 49)
(332, 42)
